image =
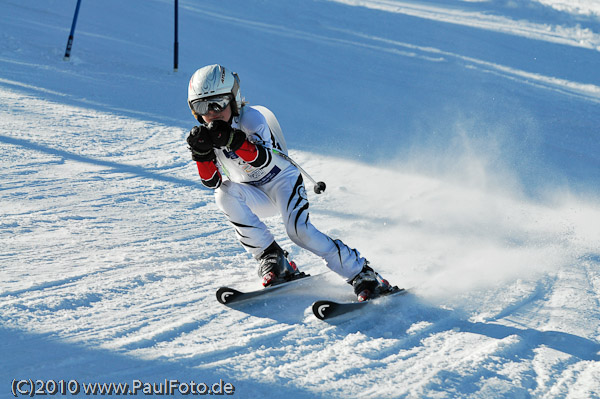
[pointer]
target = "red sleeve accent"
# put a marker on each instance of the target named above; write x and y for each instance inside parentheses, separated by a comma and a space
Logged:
(207, 169)
(248, 151)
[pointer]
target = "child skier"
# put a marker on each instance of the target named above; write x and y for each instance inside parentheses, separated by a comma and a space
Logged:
(236, 140)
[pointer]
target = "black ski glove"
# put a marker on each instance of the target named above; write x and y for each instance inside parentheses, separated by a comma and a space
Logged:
(200, 144)
(223, 135)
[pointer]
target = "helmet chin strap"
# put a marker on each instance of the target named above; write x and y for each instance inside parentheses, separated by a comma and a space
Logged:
(236, 117)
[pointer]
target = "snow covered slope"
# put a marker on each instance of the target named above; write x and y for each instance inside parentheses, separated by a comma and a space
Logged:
(460, 144)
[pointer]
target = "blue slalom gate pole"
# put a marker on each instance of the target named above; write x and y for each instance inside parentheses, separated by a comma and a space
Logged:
(176, 42)
(70, 41)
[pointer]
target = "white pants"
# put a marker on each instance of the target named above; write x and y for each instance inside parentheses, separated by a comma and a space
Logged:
(244, 205)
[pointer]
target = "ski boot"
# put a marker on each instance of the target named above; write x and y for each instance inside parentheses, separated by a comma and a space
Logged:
(368, 284)
(275, 268)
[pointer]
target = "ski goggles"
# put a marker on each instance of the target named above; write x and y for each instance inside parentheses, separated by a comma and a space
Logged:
(217, 104)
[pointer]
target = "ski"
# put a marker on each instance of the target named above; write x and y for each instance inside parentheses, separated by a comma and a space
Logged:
(327, 309)
(228, 295)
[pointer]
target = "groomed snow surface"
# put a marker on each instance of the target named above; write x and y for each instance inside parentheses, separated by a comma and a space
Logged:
(460, 145)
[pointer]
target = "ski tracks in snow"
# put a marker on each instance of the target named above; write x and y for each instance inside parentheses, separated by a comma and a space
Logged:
(129, 262)
(111, 254)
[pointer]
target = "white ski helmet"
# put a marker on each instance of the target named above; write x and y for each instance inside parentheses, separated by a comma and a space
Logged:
(215, 80)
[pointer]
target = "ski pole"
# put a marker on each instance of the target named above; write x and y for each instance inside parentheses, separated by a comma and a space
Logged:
(319, 187)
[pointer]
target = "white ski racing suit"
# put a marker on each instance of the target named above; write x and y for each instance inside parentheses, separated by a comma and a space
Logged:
(261, 184)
